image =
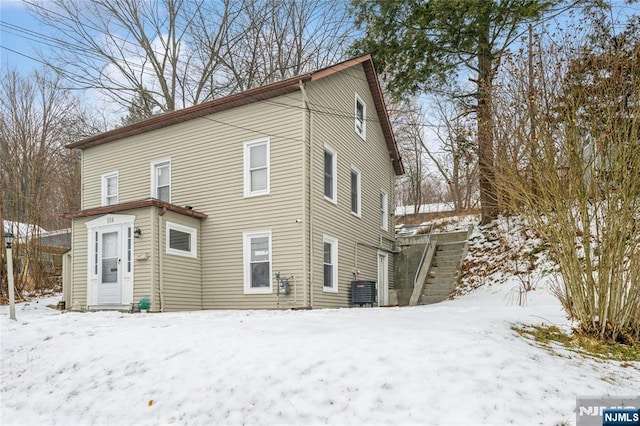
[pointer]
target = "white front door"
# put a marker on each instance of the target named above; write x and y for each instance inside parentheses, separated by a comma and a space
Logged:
(383, 279)
(110, 265)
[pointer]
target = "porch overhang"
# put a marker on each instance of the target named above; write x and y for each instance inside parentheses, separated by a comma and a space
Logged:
(150, 202)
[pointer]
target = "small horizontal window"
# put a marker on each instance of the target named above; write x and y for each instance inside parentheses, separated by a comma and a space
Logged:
(181, 240)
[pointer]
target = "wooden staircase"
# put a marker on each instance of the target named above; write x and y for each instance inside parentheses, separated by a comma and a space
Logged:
(437, 275)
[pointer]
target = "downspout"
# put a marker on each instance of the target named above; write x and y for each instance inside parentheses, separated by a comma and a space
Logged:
(152, 251)
(161, 272)
(307, 214)
(81, 179)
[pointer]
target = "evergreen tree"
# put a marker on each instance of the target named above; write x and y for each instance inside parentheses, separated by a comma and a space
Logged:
(419, 45)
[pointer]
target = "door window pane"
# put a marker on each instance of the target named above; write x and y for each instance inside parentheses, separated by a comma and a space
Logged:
(110, 257)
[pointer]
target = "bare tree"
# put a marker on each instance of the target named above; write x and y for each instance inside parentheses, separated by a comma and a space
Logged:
(39, 179)
(450, 155)
(455, 157)
(184, 52)
(570, 167)
(407, 121)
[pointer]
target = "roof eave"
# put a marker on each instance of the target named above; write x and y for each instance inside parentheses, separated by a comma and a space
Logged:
(149, 202)
(170, 118)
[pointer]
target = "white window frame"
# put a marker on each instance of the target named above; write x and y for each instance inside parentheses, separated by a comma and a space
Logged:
(334, 162)
(334, 263)
(384, 210)
(105, 187)
(246, 248)
(355, 170)
(360, 126)
(193, 232)
(247, 167)
(154, 177)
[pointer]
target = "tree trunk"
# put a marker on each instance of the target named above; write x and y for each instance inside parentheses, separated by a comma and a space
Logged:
(488, 204)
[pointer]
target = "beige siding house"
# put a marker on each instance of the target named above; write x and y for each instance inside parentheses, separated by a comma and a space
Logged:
(277, 197)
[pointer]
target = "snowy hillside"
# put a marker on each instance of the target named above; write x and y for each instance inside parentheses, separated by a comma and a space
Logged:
(457, 362)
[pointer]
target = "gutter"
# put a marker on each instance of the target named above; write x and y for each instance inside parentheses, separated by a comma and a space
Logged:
(161, 272)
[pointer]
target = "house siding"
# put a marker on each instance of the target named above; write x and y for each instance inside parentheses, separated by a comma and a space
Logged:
(207, 172)
(181, 276)
(332, 123)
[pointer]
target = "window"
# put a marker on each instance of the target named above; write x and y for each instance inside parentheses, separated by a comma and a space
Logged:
(360, 114)
(330, 181)
(129, 247)
(384, 211)
(330, 262)
(161, 180)
(181, 240)
(256, 168)
(95, 253)
(110, 189)
(355, 191)
(257, 262)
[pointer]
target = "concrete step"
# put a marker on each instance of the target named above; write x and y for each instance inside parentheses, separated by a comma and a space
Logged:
(442, 277)
(447, 256)
(443, 270)
(449, 280)
(445, 262)
(449, 252)
(447, 237)
(448, 247)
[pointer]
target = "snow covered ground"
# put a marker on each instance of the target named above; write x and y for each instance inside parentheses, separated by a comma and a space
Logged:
(455, 363)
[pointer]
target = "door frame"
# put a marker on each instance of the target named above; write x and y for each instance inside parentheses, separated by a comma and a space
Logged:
(383, 285)
(95, 228)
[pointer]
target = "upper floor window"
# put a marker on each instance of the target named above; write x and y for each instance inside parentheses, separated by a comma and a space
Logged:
(330, 262)
(360, 114)
(161, 180)
(384, 211)
(330, 180)
(355, 191)
(110, 189)
(257, 262)
(181, 240)
(256, 168)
